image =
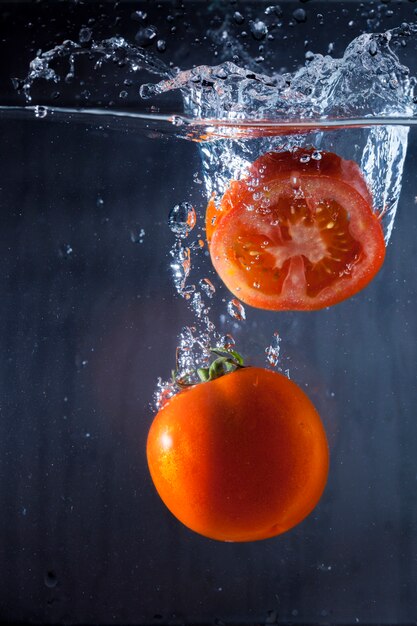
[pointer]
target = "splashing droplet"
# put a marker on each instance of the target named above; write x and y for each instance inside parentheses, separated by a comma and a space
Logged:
(161, 45)
(146, 36)
(40, 111)
(236, 309)
(238, 17)
(299, 15)
(182, 219)
(258, 29)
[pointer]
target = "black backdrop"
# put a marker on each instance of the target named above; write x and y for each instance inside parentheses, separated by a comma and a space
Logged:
(88, 322)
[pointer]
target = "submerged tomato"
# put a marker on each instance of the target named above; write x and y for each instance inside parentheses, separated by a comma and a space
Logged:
(240, 458)
(296, 235)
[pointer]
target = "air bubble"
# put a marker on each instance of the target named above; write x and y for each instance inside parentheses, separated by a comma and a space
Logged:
(273, 350)
(227, 341)
(50, 579)
(305, 158)
(182, 219)
(84, 35)
(316, 155)
(207, 287)
(137, 237)
(236, 309)
(65, 250)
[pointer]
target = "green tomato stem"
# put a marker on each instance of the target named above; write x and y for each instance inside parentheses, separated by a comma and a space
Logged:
(227, 361)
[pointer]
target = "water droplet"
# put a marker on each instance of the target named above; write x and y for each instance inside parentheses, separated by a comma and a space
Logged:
(373, 48)
(99, 202)
(299, 15)
(316, 155)
(146, 36)
(50, 579)
(161, 45)
(238, 17)
(85, 34)
(182, 219)
(40, 111)
(236, 309)
(17, 83)
(65, 250)
(258, 29)
(123, 94)
(305, 158)
(207, 287)
(274, 10)
(139, 16)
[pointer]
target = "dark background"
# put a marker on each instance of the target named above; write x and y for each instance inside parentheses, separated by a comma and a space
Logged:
(89, 320)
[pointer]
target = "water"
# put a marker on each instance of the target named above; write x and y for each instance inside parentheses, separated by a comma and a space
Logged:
(95, 313)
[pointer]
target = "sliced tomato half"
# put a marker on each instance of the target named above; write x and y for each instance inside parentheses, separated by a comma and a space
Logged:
(296, 234)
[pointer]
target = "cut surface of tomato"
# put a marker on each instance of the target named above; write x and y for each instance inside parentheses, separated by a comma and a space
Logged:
(296, 235)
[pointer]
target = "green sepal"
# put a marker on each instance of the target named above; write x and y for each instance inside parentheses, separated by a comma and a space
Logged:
(227, 361)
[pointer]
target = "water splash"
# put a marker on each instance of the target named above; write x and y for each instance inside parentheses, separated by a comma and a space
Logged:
(369, 80)
(59, 65)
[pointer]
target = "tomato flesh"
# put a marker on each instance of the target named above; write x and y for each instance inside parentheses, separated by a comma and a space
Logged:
(300, 239)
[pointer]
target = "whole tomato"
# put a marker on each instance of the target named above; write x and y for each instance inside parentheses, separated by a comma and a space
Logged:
(240, 458)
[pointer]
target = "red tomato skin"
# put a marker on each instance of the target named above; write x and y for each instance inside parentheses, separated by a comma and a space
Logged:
(241, 458)
(336, 177)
